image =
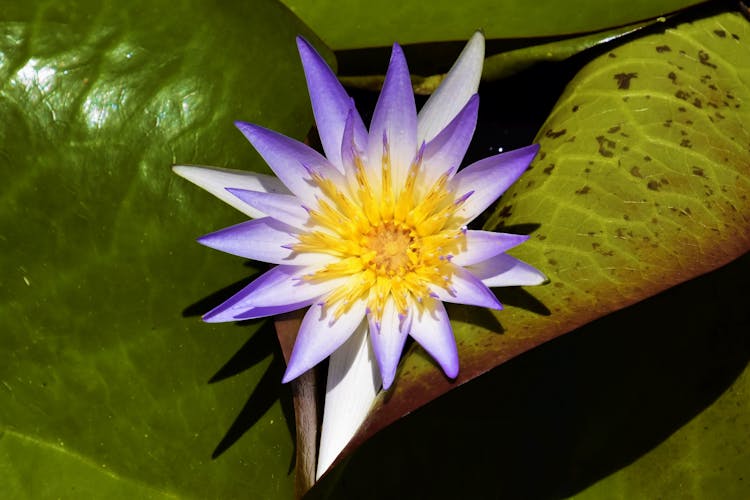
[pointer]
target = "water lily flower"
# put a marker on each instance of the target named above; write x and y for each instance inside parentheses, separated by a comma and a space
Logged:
(372, 237)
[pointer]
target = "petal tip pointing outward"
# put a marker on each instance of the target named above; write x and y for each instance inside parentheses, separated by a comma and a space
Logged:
(459, 84)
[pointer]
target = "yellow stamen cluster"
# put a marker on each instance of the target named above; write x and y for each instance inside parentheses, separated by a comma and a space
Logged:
(390, 242)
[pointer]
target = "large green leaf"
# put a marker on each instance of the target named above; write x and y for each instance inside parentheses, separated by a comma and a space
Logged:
(362, 23)
(105, 376)
(642, 182)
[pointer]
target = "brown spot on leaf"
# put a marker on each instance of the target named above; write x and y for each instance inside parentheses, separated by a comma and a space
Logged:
(583, 190)
(672, 76)
(636, 172)
(681, 94)
(697, 103)
(653, 185)
(575, 108)
(663, 48)
(623, 80)
(548, 170)
(552, 134)
(735, 36)
(613, 129)
(612, 54)
(685, 143)
(704, 59)
(681, 109)
(606, 146)
(505, 212)
(720, 33)
(646, 158)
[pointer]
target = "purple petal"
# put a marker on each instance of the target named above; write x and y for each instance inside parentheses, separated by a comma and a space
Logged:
(290, 160)
(350, 151)
(482, 245)
(265, 239)
(239, 303)
(394, 118)
(388, 340)
(281, 286)
(282, 207)
(216, 181)
(319, 335)
(465, 288)
(431, 328)
(504, 270)
(460, 83)
(487, 179)
(330, 103)
(263, 312)
(448, 148)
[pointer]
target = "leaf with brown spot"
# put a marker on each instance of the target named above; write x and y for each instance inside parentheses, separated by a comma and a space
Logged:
(623, 241)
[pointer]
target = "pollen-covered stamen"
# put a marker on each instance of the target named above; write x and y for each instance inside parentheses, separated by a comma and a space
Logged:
(393, 249)
(395, 240)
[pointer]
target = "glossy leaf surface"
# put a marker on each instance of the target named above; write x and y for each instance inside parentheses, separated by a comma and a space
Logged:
(111, 386)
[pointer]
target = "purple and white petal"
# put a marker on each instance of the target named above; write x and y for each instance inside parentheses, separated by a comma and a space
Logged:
(330, 103)
(264, 312)
(319, 335)
(351, 150)
(447, 149)
(487, 179)
(394, 121)
(216, 180)
(240, 302)
(431, 328)
(465, 288)
(280, 286)
(352, 384)
(266, 240)
(290, 160)
(482, 245)
(504, 270)
(388, 338)
(282, 207)
(461, 82)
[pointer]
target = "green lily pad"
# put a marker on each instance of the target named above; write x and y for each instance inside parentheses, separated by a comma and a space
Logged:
(104, 385)
(642, 183)
(360, 24)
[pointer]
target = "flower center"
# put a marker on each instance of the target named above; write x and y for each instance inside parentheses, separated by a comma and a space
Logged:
(392, 243)
(394, 249)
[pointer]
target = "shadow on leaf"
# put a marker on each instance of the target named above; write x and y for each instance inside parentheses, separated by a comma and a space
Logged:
(559, 418)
